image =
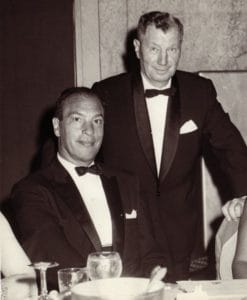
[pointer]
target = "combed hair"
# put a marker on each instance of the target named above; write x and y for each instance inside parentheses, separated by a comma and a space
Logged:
(72, 91)
(161, 20)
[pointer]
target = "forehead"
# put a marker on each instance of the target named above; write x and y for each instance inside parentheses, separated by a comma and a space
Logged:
(82, 104)
(157, 35)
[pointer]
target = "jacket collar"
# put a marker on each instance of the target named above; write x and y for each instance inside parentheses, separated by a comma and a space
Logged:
(142, 122)
(72, 210)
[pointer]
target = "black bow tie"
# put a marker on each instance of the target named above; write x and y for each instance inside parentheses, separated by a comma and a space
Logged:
(94, 169)
(149, 93)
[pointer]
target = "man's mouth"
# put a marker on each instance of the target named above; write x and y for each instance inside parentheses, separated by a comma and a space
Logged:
(86, 143)
(162, 70)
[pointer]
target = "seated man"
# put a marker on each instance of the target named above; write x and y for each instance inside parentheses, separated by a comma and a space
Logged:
(75, 206)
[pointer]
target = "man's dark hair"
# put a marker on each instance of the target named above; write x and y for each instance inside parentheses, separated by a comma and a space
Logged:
(73, 91)
(161, 20)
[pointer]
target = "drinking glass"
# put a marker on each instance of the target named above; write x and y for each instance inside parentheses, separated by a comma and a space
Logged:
(42, 268)
(68, 277)
(105, 264)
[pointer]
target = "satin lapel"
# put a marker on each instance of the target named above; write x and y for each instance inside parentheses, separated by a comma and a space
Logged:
(68, 193)
(143, 122)
(171, 132)
(117, 214)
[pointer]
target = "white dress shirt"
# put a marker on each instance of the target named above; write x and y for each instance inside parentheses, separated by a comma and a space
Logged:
(157, 110)
(93, 195)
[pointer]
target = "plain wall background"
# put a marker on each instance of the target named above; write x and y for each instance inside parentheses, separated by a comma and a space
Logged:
(36, 61)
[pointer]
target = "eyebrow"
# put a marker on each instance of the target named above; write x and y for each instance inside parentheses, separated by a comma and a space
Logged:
(81, 114)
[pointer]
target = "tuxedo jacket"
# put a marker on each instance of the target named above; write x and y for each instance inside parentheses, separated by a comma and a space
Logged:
(194, 117)
(53, 223)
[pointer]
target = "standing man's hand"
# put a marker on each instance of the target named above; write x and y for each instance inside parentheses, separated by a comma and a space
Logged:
(233, 209)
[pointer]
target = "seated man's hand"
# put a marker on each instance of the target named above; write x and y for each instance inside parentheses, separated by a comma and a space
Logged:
(158, 273)
(233, 209)
(54, 295)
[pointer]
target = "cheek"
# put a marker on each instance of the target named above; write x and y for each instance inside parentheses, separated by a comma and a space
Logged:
(175, 58)
(70, 136)
(99, 134)
(147, 57)
(148, 63)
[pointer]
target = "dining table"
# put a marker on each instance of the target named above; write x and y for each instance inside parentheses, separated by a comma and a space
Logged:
(199, 290)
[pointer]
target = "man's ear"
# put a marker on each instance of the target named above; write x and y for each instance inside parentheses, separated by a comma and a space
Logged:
(136, 44)
(56, 126)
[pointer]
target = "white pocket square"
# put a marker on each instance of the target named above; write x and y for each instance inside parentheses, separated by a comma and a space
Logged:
(188, 126)
(132, 215)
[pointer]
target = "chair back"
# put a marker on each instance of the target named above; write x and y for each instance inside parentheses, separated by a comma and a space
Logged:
(225, 247)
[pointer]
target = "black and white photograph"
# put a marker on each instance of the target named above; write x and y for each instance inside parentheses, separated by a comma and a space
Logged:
(123, 150)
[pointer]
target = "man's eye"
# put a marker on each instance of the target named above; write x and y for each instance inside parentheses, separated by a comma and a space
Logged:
(76, 118)
(154, 49)
(173, 50)
(98, 121)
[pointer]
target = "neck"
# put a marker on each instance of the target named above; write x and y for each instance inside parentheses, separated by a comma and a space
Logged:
(76, 163)
(156, 84)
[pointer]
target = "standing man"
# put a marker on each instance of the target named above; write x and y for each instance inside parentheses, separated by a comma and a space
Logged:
(75, 206)
(157, 122)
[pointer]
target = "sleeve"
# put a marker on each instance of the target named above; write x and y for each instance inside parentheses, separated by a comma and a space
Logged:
(40, 230)
(151, 253)
(226, 143)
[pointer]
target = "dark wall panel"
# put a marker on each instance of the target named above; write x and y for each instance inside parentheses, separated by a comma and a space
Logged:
(36, 65)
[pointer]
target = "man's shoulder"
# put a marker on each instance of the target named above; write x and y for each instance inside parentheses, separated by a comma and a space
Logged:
(191, 77)
(113, 80)
(42, 177)
(33, 180)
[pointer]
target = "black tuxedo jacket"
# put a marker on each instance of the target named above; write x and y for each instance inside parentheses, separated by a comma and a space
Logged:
(194, 116)
(53, 223)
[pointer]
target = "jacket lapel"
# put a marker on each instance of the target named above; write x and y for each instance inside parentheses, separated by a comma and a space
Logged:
(71, 208)
(171, 132)
(117, 214)
(142, 122)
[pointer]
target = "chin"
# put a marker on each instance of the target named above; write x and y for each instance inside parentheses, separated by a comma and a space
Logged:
(88, 158)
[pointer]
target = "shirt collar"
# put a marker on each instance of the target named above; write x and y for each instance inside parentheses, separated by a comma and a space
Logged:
(148, 85)
(69, 166)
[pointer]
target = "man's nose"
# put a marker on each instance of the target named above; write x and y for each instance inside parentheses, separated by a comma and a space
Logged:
(162, 59)
(88, 127)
